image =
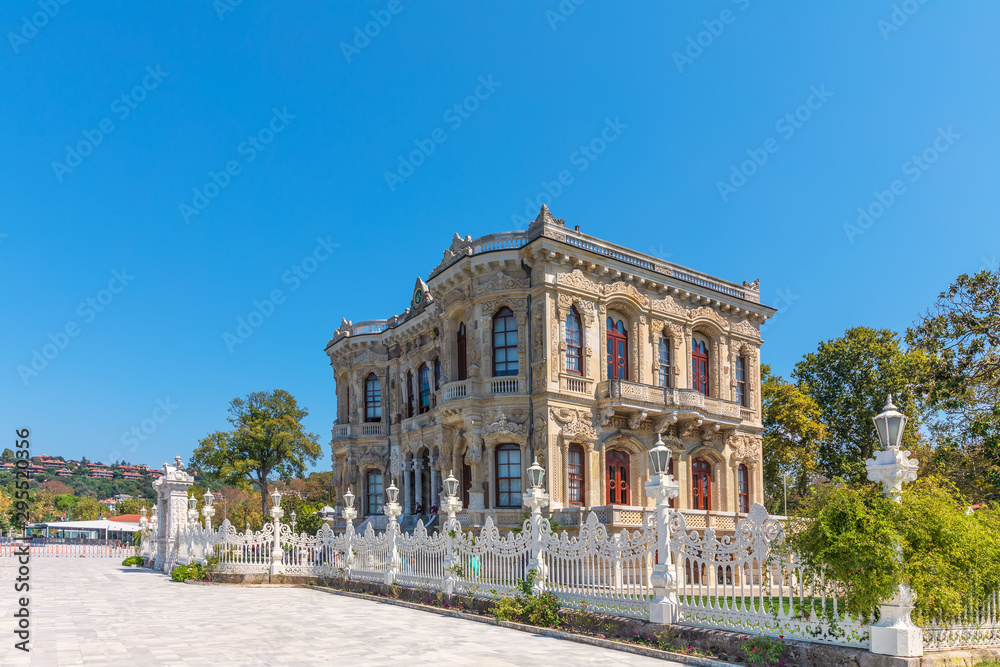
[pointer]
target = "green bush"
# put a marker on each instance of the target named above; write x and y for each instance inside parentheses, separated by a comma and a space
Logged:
(132, 560)
(762, 650)
(508, 608)
(526, 607)
(193, 571)
(951, 556)
(542, 610)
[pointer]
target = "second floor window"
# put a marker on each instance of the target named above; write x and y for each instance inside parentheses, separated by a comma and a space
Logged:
(409, 393)
(424, 377)
(699, 364)
(617, 350)
(460, 358)
(373, 399)
(504, 343)
(574, 342)
(741, 381)
(666, 371)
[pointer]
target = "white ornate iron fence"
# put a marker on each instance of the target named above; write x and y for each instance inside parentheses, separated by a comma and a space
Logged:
(491, 564)
(978, 627)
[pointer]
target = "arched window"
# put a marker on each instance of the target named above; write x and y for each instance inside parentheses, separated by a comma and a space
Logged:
(460, 358)
(666, 368)
(409, 393)
(617, 350)
(701, 485)
(741, 380)
(504, 343)
(374, 492)
(699, 364)
(424, 378)
(508, 475)
(373, 399)
(743, 487)
(618, 488)
(574, 342)
(437, 373)
(576, 489)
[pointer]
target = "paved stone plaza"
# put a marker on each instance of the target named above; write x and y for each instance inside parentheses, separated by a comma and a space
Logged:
(93, 611)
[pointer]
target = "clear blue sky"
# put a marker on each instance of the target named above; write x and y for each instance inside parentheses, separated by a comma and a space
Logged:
(886, 92)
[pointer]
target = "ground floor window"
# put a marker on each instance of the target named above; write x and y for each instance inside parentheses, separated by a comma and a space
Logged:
(374, 492)
(575, 474)
(618, 488)
(508, 476)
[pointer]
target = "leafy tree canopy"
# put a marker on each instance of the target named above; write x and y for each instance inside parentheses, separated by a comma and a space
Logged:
(267, 439)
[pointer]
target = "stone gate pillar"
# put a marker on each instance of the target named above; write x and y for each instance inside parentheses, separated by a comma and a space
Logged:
(171, 512)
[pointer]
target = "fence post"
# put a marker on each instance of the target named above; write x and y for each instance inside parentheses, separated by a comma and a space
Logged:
(894, 633)
(276, 551)
(665, 607)
(536, 499)
(349, 514)
(451, 527)
(392, 509)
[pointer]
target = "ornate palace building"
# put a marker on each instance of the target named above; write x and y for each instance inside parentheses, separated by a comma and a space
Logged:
(555, 345)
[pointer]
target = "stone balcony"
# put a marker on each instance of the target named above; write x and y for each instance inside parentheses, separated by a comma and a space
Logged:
(482, 388)
(364, 430)
(633, 398)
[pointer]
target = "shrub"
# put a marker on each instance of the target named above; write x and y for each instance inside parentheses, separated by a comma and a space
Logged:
(132, 560)
(761, 650)
(508, 608)
(951, 557)
(185, 572)
(542, 610)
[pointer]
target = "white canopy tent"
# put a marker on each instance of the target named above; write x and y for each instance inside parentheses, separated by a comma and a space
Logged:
(100, 529)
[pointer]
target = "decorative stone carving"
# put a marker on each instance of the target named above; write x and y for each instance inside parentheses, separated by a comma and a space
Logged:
(395, 464)
(604, 416)
(504, 426)
(578, 280)
(622, 287)
(669, 306)
(635, 420)
(541, 433)
(370, 356)
(501, 282)
(747, 448)
(575, 424)
(474, 450)
(745, 328)
(712, 315)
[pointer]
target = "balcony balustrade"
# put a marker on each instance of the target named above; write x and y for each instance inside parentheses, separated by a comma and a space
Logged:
(622, 393)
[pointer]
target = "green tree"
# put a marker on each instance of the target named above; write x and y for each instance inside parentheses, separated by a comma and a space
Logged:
(793, 435)
(7, 456)
(850, 378)
(127, 506)
(86, 509)
(961, 338)
(306, 514)
(267, 439)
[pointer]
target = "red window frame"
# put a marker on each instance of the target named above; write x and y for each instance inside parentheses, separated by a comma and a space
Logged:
(409, 393)
(701, 485)
(699, 366)
(617, 350)
(664, 360)
(505, 361)
(460, 353)
(508, 475)
(743, 488)
(424, 380)
(574, 343)
(618, 490)
(576, 477)
(373, 399)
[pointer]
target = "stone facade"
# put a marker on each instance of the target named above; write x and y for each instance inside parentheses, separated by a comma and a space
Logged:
(549, 277)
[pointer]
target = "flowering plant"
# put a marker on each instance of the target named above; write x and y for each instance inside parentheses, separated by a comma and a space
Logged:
(763, 650)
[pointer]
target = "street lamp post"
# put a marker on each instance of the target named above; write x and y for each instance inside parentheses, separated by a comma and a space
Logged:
(208, 510)
(276, 513)
(392, 510)
(452, 527)
(894, 633)
(665, 607)
(349, 514)
(192, 513)
(535, 499)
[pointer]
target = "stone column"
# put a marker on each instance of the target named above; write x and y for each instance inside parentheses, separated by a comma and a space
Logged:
(171, 509)
(418, 482)
(433, 495)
